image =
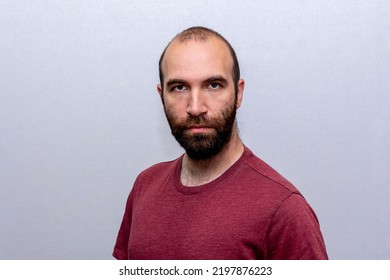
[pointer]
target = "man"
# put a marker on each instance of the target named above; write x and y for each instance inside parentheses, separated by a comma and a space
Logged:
(218, 200)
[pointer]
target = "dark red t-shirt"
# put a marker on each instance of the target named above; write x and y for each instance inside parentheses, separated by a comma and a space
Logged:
(250, 212)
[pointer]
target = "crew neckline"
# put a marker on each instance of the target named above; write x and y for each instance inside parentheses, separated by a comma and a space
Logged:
(210, 185)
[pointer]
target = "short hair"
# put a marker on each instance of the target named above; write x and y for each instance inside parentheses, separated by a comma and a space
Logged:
(200, 33)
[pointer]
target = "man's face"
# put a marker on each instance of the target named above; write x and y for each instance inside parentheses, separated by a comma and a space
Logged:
(199, 96)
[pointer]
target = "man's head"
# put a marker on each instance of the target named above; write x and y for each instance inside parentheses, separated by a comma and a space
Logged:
(200, 88)
(200, 33)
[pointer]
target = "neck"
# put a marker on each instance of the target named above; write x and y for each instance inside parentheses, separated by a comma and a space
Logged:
(198, 172)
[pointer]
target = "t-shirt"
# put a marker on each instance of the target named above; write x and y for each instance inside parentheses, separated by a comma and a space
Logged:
(249, 212)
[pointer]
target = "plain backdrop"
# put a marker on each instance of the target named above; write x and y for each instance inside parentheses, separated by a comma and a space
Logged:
(80, 116)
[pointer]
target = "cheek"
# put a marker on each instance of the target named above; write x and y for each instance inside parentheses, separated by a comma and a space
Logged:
(173, 115)
(175, 107)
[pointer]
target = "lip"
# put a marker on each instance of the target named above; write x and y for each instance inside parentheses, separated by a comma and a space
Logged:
(198, 129)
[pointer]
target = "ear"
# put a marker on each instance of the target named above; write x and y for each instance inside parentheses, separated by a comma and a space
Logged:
(159, 89)
(240, 92)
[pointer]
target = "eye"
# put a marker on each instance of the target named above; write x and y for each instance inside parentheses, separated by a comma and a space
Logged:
(179, 88)
(214, 86)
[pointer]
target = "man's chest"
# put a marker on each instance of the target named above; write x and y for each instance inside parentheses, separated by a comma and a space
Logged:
(175, 227)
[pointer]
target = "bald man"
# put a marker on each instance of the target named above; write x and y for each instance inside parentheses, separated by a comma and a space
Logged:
(217, 200)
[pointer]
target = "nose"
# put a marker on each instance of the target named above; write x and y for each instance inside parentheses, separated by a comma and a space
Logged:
(196, 103)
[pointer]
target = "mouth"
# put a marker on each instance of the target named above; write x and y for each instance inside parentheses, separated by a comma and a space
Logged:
(198, 129)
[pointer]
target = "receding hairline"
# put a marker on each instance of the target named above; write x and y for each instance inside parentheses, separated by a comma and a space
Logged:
(197, 34)
(200, 34)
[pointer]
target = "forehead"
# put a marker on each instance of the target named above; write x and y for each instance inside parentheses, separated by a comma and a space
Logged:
(194, 59)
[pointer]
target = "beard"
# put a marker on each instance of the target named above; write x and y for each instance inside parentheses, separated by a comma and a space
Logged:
(203, 146)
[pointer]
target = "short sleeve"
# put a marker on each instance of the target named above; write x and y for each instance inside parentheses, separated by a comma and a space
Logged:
(122, 241)
(294, 232)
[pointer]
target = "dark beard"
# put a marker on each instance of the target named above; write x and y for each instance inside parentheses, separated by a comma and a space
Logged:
(202, 146)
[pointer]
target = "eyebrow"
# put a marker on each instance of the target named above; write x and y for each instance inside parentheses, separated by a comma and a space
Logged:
(212, 79)
(175, 81)
(217, 78)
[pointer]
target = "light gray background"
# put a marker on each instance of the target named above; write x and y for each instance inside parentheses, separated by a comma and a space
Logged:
(80, 116)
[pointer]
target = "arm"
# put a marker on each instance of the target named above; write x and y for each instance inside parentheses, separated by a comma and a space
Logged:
(294, 232)
(121, 245)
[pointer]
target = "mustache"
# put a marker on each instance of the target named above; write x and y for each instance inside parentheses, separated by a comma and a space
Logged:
(200, 120)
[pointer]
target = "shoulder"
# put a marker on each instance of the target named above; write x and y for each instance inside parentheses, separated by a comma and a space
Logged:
(156, 173)
(258, 169)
